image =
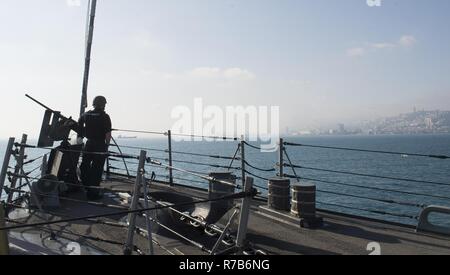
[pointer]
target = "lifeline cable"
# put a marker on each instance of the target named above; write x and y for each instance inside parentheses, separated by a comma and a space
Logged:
(120, 151)
(252, 146)
(137, 211)
(174, 134)
(367, 175)
(142, 148)
(69, 184)
(33, 160)
(98, 204)
(192, 173)
(187, 162)
(65, 232)
(256, 176)
(290, 162)
(234, 157)
(368, 187)
(178, 152)
(367, 151)
(110, 154)
(140, 132)
(260, 169)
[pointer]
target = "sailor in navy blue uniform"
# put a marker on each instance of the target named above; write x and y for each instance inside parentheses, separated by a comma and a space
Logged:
(96, 126)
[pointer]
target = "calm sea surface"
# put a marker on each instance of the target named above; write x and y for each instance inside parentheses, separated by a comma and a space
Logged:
(416, 168)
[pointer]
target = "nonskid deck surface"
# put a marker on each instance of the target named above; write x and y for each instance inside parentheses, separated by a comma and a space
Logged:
(273, 232)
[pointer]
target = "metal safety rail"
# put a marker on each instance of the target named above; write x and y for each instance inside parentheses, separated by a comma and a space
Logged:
(205, 162)
(391, 203)
(17, 196)
(202, 163)
(377, 203)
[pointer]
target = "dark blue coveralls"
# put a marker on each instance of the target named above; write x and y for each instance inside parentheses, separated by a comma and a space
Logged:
(94, 126)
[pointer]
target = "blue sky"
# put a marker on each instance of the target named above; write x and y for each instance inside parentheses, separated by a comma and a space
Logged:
(322, 61)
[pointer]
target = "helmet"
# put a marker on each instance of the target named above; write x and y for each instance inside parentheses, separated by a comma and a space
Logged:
(99, 102)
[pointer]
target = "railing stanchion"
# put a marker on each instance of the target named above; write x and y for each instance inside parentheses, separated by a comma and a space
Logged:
(281, 158)
(225, 230)
(147, 215)
(18, 167)
(128, 249)
(244, 215)
(243, 162)
(5, 165)
(169, 137)
(108, 169)
(44, 166)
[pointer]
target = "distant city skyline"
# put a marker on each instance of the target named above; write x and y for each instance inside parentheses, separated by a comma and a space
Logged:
(415, 122)
(323, 62)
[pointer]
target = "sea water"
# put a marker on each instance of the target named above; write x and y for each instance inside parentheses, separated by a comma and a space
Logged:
(397, 166)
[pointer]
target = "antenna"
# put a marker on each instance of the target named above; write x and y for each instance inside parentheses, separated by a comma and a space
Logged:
(92, 6)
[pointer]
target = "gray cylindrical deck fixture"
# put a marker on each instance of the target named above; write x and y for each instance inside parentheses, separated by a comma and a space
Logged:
(304, 200)
(218, 190)
(280, 194)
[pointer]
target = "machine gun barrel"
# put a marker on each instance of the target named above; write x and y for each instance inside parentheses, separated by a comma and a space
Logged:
(46, 107)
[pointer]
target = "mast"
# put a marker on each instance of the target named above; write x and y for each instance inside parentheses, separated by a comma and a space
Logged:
(87, 63)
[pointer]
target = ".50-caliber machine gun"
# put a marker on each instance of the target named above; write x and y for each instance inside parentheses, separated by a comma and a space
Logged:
(63, 160)
(55, 127)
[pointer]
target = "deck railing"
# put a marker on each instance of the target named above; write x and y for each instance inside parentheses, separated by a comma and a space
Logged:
(186, 168)
(17, 195)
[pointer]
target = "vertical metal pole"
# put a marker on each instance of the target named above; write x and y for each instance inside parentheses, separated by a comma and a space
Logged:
(169, 135)
(245, 214)
(5, 165)
(222, 236)
(147, 216)
(87, 62)
(19, 166)
(4, 244)
(243, 162)
(281, 158)
(108, 169)
(44, 166)
(128, 249)
(33, 194)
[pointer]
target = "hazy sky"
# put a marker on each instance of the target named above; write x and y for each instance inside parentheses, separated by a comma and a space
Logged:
(321, 61)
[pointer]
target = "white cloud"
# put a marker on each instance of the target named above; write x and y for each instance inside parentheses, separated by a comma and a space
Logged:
(407, 41)
(356, 52)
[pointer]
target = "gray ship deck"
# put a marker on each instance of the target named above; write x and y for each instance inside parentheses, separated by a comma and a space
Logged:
(275, 233)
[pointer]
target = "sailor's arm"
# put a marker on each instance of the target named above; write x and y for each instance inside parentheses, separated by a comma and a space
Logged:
(108, 138)
(108, 135)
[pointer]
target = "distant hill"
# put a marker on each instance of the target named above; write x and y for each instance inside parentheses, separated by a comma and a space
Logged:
(411, 123)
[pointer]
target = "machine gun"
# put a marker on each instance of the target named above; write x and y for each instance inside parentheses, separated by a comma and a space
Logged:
(55, 126)
(63, 160)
